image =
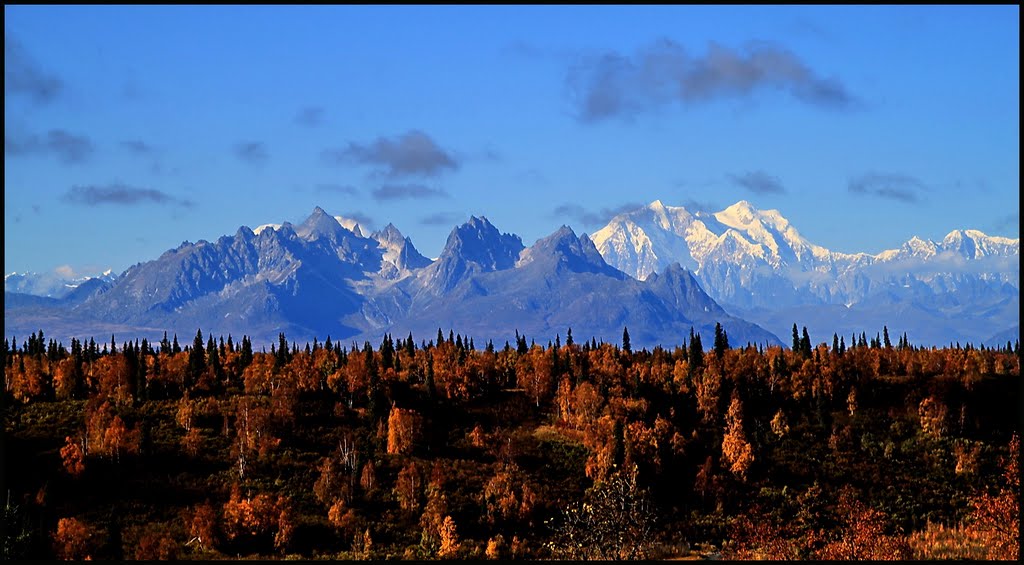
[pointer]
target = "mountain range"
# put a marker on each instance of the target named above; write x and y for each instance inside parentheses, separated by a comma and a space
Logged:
(321, 278)
(658, 270)
(757, 266)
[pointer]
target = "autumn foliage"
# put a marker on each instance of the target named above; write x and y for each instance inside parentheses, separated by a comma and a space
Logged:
(452, 448)
(75, 539)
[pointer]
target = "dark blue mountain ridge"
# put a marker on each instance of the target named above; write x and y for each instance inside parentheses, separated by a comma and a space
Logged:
(319, 278)
(557, 283)
(473, 247)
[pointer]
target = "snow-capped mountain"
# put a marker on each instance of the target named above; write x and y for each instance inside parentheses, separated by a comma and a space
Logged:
(400, 255)
(52, 284)
(658, 270)
(325, 278)
(755, 262)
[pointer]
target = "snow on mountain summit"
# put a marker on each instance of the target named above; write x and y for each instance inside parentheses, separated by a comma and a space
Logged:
(53, 284)
(749, 256)
(647, 240)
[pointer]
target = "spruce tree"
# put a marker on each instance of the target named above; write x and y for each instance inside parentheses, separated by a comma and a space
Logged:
(387, 352)
(696, 351)
(805, 344)
(376, 401)
(197, 358)
(213, 358)
(429, 380)
(245, 358)
(721, 341)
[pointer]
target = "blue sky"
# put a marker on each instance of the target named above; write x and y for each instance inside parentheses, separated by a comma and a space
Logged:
(128, 130)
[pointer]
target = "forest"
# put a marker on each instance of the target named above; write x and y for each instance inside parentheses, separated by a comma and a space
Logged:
(449, 449)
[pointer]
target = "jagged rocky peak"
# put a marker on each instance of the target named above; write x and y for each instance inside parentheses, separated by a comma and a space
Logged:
(244, 233)
(562, 242)
(677, 285)
(390, 235)
(318, 224)
(399, 252)
(565, 249)
(351, 225)
(673, 272)
(479, 241)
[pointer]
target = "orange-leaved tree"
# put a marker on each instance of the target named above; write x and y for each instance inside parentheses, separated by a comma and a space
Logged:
(996, 515)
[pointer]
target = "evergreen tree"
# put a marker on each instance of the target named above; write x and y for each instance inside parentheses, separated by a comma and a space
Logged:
(197, 358)
(143, 370)
(51, 351)
(721, 341)
(429, 379)
(387, 352)
(796, 339)
(568, 337)
(245, 357)
(696, 351)
(376, 402)
(175, 348)
(281, 357)
(625, 340)
(835, 343)
(132, 363)
(521, 347)
(213, 359)
(885, 337)
(805, 344)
